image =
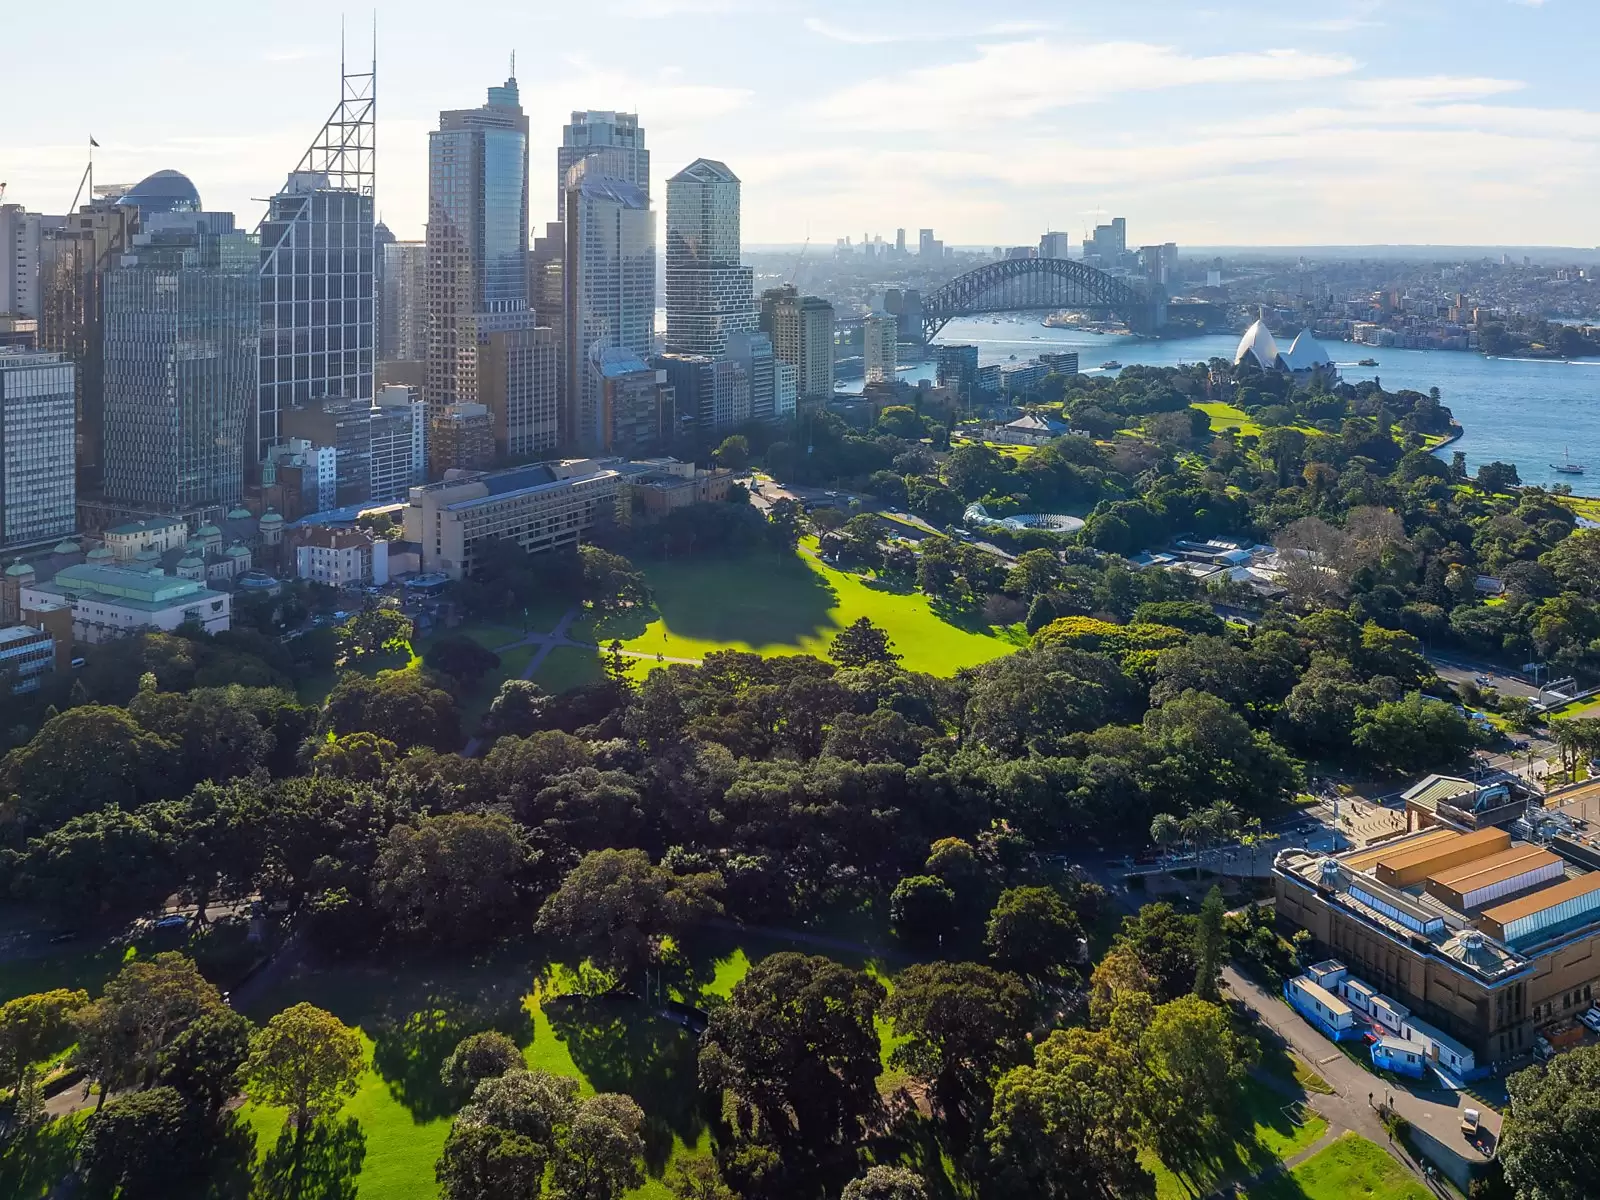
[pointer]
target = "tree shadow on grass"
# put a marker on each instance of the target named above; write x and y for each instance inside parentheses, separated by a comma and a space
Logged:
(622, 1046)
(623, 626)
(966, 617)
(409, 1053)
(765, 600)
(325, 1167)
(34, 1161)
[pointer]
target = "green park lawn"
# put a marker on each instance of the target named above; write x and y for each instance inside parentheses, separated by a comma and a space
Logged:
(412, 1014)
(567, 667)
(1226, 416)
(769, 604)
(1268, 1128)
(1352, 1168)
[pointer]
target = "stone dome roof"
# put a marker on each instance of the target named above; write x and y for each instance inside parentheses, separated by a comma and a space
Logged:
(208, 530)
(190, 560)
(237, 551)
(67, 546)
(100, 553)
(240, 514)
(19, 568)
(271, 517)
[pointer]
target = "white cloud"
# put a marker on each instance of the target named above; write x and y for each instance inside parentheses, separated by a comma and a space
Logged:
(1022, 79)
(851, 37)
(660, 9)
(919, 32)
(1431, 87)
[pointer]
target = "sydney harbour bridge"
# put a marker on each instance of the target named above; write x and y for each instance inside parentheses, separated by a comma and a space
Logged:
(1043, 284)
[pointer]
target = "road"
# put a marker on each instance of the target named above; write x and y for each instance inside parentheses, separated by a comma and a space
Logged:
(1458, 669)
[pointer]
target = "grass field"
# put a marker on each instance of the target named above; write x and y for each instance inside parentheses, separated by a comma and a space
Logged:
(1352, 1168)
(774, 605)
(411, 1015)
(568, 667)
(1263, 1133)
(1583, 506)
(1226, 416)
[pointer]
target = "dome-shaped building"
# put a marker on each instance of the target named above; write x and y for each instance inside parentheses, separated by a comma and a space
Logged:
(164, 192)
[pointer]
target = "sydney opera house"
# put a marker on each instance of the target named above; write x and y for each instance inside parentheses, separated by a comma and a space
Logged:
(1304, 358)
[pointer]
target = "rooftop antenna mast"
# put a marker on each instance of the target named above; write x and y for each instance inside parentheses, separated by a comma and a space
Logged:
(346, 148)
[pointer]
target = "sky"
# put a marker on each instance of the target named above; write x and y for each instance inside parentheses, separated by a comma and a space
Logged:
(1289, 123)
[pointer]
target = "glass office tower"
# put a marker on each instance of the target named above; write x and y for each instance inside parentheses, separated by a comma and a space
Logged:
(477, 238)
(319, 270)
(709, 295)
(316, 299)
(181, 335)
(610, 281)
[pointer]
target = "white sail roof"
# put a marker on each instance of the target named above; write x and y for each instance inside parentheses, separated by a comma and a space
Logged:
(1258, 340)
(1307, 353)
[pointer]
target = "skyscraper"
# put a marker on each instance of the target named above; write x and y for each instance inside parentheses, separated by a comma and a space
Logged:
(318, 294)
(615, 138)
(37, 402)
(753, 351)
(1053, 245)
(636, 402)
(403, 303)
(709, 294)
(879, 348)
(182, 335)
(74, 260)
(801, 328)
(518, 369)
(477, 239)
(610, 281)
(21, 233)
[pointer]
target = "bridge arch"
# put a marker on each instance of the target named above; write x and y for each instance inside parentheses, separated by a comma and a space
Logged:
(1031, 284)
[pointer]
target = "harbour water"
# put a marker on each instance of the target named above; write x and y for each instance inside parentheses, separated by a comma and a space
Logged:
(1523, 411)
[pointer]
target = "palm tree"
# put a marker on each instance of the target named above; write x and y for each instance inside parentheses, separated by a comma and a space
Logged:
(1193, 827)
(1225, 818)
(1164, 830)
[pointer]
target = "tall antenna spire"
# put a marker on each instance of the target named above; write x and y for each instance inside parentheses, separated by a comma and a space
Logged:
(513, 64)
(345, 149)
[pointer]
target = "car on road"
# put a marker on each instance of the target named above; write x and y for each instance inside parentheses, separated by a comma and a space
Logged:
(1483, 681)
(175, 921)
(1592, 1019)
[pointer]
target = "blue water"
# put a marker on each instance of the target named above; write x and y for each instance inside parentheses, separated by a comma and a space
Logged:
(1522, 411)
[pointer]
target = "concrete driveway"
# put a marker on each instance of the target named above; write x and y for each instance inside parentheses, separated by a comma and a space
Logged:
(1434, 1112)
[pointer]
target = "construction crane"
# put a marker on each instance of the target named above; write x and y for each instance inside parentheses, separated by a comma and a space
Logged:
(806, 245)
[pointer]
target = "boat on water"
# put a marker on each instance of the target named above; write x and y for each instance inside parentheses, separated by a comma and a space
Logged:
(1566, 466)
(1110, 364)
(1367, 362)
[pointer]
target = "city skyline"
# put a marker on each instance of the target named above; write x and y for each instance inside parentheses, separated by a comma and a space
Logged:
(1379, 121)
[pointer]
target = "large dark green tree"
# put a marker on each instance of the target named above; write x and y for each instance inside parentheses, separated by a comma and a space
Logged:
(1550, 1146)
(796, 1047)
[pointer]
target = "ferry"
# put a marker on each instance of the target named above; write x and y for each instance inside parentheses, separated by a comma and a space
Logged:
(1111, 364)
(1367, 362)
(1566, 466)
